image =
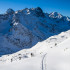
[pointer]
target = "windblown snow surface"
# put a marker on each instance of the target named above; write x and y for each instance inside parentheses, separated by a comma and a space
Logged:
(33, 40)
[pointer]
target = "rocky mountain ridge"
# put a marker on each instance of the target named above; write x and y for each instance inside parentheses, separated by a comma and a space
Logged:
(25, 28)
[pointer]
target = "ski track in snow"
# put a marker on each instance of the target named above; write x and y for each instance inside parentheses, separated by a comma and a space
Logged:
(44, 62)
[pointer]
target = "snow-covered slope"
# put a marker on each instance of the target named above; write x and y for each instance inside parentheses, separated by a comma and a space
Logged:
(43, 57)
(59, 57)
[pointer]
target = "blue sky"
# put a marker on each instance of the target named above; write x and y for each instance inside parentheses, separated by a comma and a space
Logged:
(61, 6)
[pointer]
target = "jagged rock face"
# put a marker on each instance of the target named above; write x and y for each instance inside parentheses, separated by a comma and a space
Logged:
(25, 28)
(39, 12)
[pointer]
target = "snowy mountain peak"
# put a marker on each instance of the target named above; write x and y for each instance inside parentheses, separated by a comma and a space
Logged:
(10, 11)
(66, 18)
(55, 15)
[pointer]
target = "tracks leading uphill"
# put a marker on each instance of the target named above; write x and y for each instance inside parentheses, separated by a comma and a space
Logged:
(44, 62)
